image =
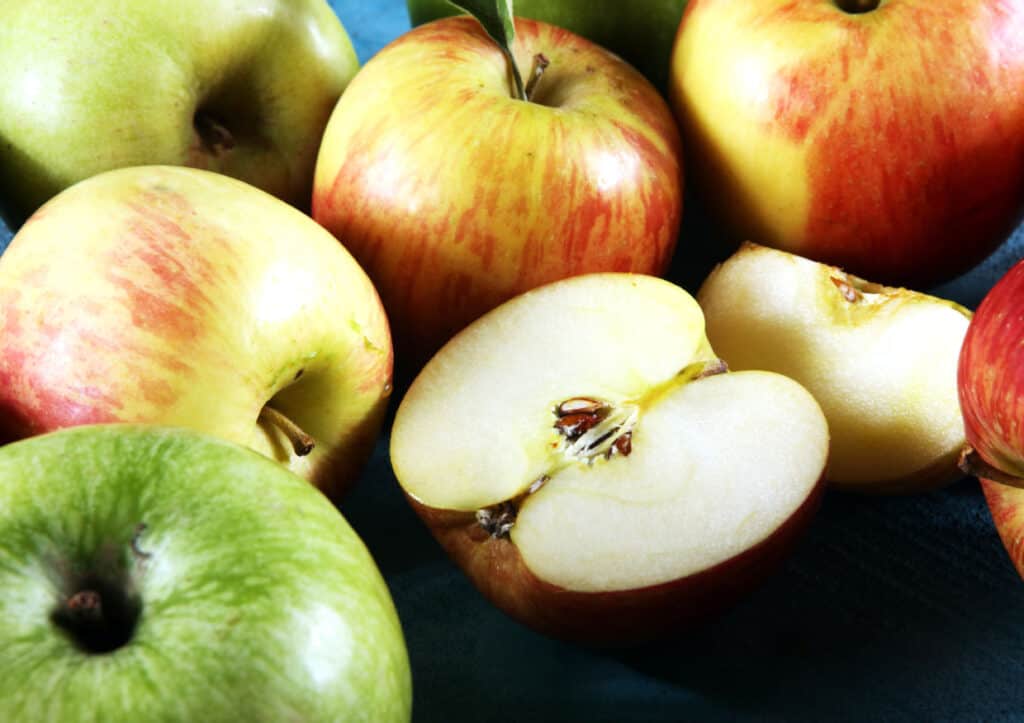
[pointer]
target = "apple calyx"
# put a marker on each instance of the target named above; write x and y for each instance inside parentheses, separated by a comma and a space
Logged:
(302, 443)
(971, 463)
(99, 609)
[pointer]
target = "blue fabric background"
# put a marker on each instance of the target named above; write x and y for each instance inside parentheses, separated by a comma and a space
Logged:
(891, 608)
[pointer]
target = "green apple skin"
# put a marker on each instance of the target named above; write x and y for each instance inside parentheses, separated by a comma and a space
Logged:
(255, 599)
(641, 32)
(244, 89)
(170, 295)
(456, 196)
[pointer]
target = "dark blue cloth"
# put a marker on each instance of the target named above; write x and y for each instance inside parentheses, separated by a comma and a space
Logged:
(901, 609)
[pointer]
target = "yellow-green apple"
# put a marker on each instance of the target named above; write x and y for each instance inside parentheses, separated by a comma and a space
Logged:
(584, 457)
(641, 32)
(159, 574)
(880, 360)
(240, 88)
(178, 296)
(882, 136)
(991, 382)
(455, 196)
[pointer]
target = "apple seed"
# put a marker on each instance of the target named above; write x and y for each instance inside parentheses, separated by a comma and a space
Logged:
(593, 429)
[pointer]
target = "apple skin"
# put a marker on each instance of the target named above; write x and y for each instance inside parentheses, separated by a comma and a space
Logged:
(88, 87)
(256, 600)
(642, 33)
(858, 140)
(991, 385)
(178, 296)
(456, 197)
(609, 619)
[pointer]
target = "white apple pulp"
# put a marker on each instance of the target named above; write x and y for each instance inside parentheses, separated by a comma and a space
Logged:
(714, 465)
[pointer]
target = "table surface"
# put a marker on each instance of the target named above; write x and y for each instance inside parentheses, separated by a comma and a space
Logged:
(901, 608)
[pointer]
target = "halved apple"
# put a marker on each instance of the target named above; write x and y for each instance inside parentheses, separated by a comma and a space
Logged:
(880, 360)
(583, 455)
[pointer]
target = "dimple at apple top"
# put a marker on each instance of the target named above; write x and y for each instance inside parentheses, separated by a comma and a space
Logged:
(903, 608)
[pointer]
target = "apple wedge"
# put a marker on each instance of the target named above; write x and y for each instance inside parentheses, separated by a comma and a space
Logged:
(583, 455)
(880, 360)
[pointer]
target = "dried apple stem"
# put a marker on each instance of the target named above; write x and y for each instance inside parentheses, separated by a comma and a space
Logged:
(540, 64)
(972, 464)
(302, 443)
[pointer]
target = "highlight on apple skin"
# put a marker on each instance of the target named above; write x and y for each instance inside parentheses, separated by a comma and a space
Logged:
(242, 88)
(178, 296)
(881, 361)
(584, 457)
(991, 384)
(455, 196)
(886, 141)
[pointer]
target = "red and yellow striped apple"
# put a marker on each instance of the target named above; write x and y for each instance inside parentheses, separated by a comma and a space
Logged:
(183, 297)
(991, 382)
(455, 196)
(885, 137)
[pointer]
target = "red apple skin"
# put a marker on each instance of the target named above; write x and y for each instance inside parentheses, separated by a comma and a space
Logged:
(895, 137)
(990, 376)
(173, 296)
(991, 384)
(455, 197)
(609, 619)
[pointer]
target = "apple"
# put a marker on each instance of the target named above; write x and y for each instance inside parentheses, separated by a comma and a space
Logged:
(456, 196)
(161, 574)
(583, 456)
(177, 296)
(240, 88)
(881, 361)
(883, 137)
(991, 387)
(642, 33)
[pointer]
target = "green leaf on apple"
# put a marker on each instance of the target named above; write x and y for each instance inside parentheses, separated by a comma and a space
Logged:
(496, 18)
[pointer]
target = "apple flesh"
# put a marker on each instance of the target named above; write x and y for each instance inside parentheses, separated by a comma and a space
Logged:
(991, 387)
(455, 196)
(580, 453)
(642, 33)
(177, 296)
(851, 132)
(158, 574)
(240, 88)
(881, 361)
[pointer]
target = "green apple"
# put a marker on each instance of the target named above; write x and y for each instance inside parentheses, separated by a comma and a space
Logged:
(584, 457)
(160, 574)
(880, 360)
(172, 295)
(455, 195)
(240, 88)
(641, 32)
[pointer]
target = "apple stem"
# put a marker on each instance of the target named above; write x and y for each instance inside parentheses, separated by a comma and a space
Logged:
(302, 443)
(540, 64)
(214, 136)
(972, 464)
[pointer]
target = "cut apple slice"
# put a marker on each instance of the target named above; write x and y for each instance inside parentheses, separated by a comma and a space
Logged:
(584, 456)
(881, 361)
